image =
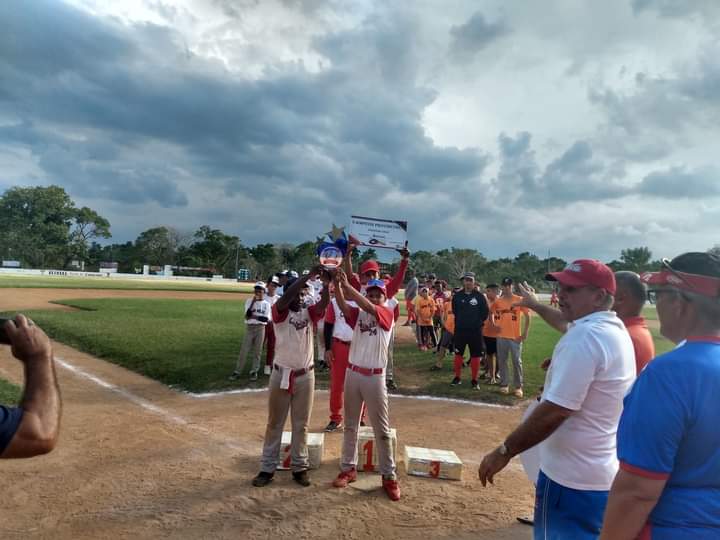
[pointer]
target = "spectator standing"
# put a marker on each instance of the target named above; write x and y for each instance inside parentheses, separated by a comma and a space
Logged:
(411, 292)
(592, 369)
(507, 317)
(425, 309)
(668, 441)
(490, 334)
(471, 310)
(257, 315)
(629, 303)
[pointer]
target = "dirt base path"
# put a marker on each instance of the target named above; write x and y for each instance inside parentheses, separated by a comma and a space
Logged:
(137, 460)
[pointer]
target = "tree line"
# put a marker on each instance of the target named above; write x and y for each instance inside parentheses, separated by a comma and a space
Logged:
(43, 228)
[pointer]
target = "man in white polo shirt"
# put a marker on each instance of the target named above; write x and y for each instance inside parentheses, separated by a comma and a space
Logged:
(592, 368)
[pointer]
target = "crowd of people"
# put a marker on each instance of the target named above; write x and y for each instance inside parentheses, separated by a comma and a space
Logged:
(629, 446)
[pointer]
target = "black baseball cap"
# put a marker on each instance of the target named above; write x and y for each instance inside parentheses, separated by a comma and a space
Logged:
(507, 281)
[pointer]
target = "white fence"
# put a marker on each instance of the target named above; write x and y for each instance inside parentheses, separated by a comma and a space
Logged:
(111, 275)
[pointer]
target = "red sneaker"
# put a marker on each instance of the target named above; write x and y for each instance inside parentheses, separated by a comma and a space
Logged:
(392, 489)
(345, 478)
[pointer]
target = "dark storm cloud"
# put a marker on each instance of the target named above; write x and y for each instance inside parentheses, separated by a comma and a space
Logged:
(576, 175)
(340, 134)
(474, 35)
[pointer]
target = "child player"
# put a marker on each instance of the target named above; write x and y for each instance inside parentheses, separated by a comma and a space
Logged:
(372, 322)
(292, 382)
(425, 309)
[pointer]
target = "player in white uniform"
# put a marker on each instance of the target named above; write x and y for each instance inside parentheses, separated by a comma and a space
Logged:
(271, 296)
(372, 322)
(257, 315)
(292, 382)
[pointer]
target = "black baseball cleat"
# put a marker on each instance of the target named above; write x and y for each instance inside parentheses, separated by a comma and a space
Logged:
(455, 381)
(475, 385)
(333, 426)
(302, 478)
(435, 367)
(390, 384)
(263, 479)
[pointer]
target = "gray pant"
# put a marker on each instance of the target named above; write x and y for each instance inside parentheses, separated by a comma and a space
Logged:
(253, 342)
(390, 362)
(509, 347)
(370, 389)
(299, 404)
(320, 340)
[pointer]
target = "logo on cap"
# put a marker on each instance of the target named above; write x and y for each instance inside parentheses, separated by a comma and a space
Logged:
(574, 267)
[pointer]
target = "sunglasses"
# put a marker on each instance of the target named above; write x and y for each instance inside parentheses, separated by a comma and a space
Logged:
(652, 294)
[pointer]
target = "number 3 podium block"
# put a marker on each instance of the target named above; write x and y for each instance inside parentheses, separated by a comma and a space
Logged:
(367, 449)
(433, 463)
(315, 444)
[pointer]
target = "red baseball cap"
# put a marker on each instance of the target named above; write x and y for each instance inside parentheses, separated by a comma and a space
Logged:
(369, 266)
(584, 272)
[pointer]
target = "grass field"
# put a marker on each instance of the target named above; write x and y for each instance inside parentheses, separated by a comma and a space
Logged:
(9, 393)
(42, 282)
(193, 344)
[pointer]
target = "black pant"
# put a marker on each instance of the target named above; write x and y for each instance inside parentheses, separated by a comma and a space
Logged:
(471, 338)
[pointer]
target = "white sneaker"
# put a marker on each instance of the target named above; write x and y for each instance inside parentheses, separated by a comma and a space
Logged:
(268, 370)
(518, 393)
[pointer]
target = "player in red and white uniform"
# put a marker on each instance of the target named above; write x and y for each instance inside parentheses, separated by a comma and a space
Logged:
(292, 382)
(372, 322)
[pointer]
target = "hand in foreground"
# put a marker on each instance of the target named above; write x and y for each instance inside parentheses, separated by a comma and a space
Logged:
(492, 463)
(29, 343)
(529, 298)
(341, 277)
(404, 252)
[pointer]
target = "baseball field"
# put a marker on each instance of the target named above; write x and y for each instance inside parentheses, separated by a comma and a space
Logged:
(157, 443)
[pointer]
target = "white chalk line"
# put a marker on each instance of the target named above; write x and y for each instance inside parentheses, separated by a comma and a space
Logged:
(144, 403)
(207, 395)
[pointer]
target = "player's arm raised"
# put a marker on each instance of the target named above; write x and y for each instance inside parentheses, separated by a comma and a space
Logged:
(550, 315)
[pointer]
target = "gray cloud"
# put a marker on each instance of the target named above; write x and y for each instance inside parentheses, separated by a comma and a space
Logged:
(679, 182)
(474, 35)
(676, 8)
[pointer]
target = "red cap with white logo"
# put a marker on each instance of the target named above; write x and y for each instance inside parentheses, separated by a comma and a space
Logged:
(583, 272)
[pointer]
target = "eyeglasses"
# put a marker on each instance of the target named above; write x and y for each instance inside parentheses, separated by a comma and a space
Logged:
(652, 294)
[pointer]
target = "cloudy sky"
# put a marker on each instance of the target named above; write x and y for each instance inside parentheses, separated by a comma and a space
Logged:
(576, 127)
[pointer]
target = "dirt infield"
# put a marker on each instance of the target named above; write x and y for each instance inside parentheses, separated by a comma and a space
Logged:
(137, 460)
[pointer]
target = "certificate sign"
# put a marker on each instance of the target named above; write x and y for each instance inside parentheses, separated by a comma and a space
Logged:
(379, 233)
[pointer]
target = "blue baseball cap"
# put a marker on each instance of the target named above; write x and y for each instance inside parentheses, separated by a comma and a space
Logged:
(376, 284)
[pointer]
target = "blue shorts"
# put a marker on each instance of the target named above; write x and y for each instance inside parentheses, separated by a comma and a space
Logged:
(562, 513)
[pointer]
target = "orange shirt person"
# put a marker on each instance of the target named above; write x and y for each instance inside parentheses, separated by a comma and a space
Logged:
(629, 302)
(425, 309)
(511, 336)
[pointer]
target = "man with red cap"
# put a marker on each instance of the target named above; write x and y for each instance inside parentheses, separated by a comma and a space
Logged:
(668, 441)
(592, 368)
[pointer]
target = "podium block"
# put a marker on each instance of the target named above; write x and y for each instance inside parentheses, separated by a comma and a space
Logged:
(367, 449)
(315, 444)
(432, 463)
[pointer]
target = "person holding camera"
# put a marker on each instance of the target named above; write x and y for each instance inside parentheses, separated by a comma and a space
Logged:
(32, 428)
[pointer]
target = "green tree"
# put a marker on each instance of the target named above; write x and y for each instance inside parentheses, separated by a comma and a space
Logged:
(157, 246)
(215, 249)
(633, 259)
(87, 226)
(35, 225)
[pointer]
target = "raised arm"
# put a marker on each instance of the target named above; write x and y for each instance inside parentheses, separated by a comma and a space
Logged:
(38, 430)
(350, 293)
(347, 265)
(550, 315)
(397, 280)
(290, 294)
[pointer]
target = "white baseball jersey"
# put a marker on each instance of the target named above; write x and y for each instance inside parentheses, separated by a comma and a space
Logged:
(371, 337)
(260, 308)
(294, 336)
(341, 329)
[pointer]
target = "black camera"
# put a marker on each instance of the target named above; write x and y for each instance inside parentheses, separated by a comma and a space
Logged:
(4, 339)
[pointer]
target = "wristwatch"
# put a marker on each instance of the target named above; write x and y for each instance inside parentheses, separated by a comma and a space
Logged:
(503, 450)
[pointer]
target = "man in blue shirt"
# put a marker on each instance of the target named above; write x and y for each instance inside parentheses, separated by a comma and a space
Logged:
(668, 486)
(32, 428)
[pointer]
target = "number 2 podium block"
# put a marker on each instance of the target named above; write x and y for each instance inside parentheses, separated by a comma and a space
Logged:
(315, 444)
(432, 463)
(367, 449)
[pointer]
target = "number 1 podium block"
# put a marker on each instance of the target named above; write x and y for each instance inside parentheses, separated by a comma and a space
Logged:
(315, 444)
(367, 449)
(432, 463)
